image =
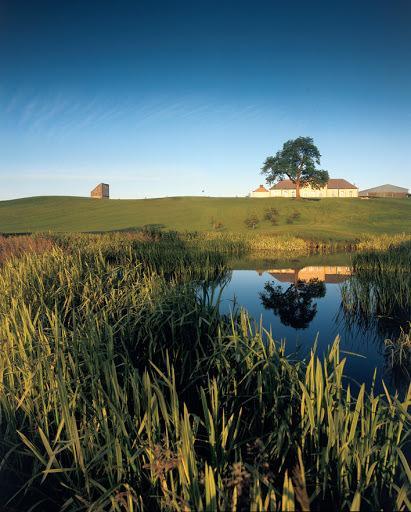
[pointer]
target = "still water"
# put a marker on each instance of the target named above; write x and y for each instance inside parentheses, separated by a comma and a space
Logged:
(301, 301)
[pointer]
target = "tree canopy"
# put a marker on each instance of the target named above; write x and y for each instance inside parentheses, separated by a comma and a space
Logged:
(297, 160)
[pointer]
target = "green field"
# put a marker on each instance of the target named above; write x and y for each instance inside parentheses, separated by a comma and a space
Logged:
(326, 218)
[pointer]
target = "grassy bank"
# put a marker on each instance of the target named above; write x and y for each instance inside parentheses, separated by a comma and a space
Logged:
(122, 388)
(326, 219)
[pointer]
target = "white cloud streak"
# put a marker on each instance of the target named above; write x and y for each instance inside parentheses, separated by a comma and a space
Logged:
(68, 176)
(60, 116)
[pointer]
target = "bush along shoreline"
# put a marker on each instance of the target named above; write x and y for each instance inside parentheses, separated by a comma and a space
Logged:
(232, 244)
(123, 388)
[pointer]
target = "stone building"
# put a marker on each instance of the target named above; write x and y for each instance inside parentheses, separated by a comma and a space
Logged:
(102, 191)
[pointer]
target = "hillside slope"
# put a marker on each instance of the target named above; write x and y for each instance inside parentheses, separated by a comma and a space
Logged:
(325, 218)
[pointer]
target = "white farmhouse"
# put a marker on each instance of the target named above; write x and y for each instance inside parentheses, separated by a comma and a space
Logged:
(336, 187)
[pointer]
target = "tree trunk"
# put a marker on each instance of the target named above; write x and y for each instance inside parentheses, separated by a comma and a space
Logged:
(297, 189)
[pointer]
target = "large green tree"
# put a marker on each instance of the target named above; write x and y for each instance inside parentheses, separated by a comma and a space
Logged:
(297, 160)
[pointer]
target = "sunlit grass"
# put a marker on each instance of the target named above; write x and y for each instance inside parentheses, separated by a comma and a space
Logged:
(342, 220)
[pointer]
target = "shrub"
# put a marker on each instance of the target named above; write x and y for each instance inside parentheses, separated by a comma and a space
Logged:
(252, 221)
(271, 214)
(216, 224)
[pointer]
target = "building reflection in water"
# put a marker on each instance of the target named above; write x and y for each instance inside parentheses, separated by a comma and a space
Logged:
(327, 274)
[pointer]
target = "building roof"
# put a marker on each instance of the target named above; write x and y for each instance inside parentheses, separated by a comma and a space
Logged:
(386, 188)
(340, 183)
(333, 183)
(261, 188)
(283, 185)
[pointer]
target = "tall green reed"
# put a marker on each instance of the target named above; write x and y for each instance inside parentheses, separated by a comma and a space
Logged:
(123, 388)
(380, 289)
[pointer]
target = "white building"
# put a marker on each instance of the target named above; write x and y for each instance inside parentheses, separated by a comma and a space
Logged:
(336, 187)
(261, 191)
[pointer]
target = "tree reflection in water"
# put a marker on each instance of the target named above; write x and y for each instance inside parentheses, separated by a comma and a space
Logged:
(295, 305)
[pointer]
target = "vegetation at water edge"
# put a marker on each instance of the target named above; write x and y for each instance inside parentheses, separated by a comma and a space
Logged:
(123, 388)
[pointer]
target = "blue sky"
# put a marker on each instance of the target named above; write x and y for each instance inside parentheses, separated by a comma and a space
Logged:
(173, 98)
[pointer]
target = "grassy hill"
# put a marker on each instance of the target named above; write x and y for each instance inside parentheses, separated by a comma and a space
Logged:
(323, 219)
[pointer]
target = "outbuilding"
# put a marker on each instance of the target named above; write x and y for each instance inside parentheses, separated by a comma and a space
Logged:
(101, 191)
(384, 191)
(261, 191)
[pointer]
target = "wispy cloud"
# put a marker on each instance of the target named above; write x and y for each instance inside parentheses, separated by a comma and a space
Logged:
(60, 116)
(29, 111)
(48, 113)
(77, 177)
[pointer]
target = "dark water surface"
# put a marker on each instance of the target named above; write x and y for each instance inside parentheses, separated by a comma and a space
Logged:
(301, 301)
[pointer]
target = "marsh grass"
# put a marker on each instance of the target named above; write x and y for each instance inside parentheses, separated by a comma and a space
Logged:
(380, 289)
(152, 240)
(383, 242)
(398, 351)
(12, 246)
(378, 298)
(122, 388)
(236, 244)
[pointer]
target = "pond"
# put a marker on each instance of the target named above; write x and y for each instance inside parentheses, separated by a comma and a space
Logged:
(300, 301)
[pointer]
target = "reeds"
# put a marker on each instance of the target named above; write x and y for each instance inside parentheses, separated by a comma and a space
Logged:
(285, 245)
(381, 285)
(377, 298)
(398, 351)
(152, 241)
(123, 388)
(382, 242)
(12, 246)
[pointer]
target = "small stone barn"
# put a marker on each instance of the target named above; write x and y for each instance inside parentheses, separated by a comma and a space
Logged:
(102, 191)
(384, 191)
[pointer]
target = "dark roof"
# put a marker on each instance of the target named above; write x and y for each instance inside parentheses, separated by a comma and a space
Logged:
(288, 277)
(386, 188)
(340, 183)
(333, 183)
(283, 185)
(261, 188)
